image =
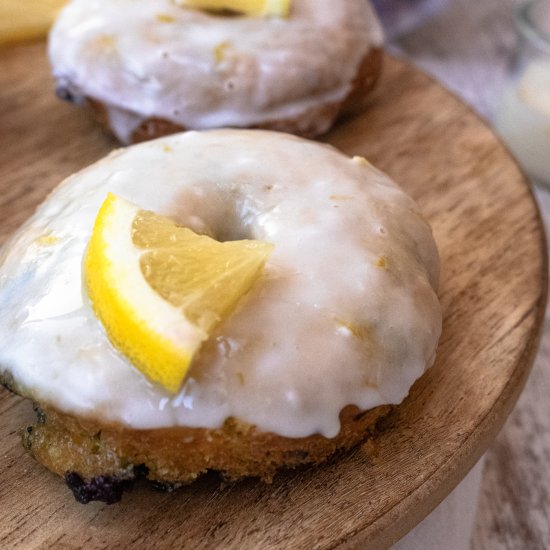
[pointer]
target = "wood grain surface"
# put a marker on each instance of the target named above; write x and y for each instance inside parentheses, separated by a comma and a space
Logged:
(471, 47)
(493, 293)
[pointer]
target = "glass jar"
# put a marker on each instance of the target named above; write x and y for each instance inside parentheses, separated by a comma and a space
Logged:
(523, 114)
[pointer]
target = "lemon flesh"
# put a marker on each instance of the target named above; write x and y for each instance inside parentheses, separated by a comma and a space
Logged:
(27, 19)
(280, 8)
(160, 289)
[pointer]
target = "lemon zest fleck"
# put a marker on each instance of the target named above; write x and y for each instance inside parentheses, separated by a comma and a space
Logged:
(341, 197)
(47, 240)
(358, 330)
(220, 51)
(362, 161)
(382, 262)
(165, 18)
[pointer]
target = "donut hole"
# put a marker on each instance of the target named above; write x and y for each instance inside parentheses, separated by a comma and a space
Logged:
(222, 214)
(232, 227)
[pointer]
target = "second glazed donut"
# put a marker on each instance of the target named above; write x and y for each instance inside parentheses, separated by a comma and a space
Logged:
(153, 68)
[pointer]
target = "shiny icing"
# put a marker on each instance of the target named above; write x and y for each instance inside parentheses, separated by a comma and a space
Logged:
(345, 314)
(151, 58)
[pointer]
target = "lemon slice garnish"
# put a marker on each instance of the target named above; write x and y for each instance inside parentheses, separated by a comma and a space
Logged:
(27, 19)
(160, 290)
(280, 8)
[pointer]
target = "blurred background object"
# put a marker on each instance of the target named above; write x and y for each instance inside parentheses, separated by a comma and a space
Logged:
(467, 45)
(522, 116)
(26, 19)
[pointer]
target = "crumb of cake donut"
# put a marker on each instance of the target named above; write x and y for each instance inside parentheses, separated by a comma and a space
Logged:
(364, 82)
(151, 128)
(100, 461)
(40, 414)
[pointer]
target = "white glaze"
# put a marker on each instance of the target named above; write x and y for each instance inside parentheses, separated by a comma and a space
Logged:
(206, 71)
(328, 326)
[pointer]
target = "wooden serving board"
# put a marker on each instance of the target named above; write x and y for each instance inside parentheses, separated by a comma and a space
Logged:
(493, 292)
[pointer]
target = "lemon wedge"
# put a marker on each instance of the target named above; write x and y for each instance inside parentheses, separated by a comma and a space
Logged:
(27, 19)
(261, 8)
(160, 289)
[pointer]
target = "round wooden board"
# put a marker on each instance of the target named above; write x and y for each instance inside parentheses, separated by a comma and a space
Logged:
(493, 292)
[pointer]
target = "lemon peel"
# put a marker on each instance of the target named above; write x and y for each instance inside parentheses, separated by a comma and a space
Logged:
(160, 289)
(259, 8)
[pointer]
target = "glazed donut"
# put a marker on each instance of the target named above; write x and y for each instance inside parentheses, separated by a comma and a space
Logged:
(345, 319)
(153, 68)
